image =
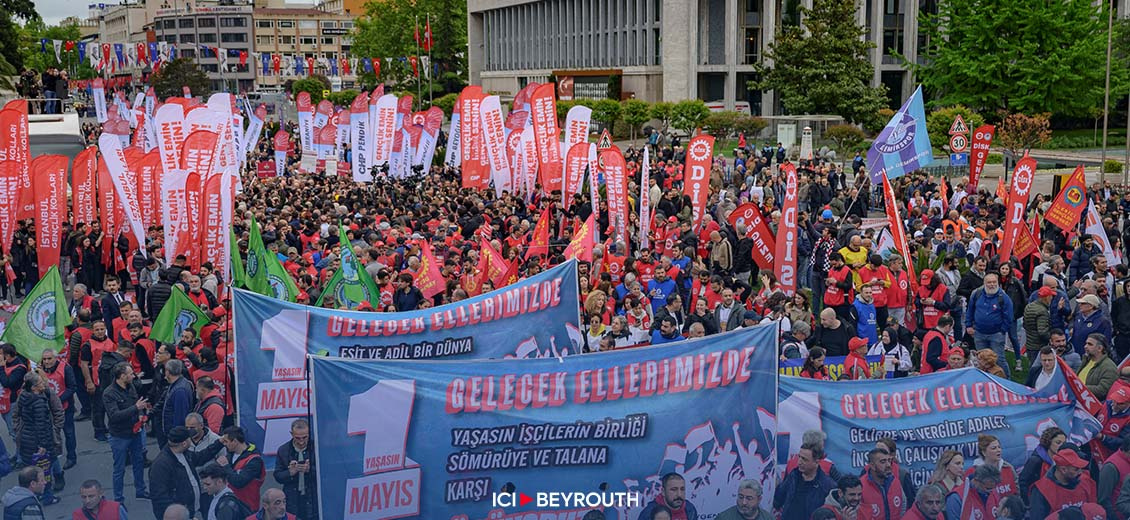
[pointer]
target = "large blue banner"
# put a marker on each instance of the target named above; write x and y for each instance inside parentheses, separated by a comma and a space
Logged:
(547, 438)
(535, 317)
(926, 415)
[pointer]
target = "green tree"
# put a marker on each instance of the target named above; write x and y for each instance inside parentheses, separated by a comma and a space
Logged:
(721, 124)
(636, 113)
(313, 85)
(938, 122)
(387, 30)
(823, 68)
(178, 73)
(689, 114)
(446, 103)
(663, 111)
(1026, 56)
(847, 137)
(750, 126)
(343, 98)
(563, 107)
(1019, 133)
(607, 112)
(11, 59)
(34, 58)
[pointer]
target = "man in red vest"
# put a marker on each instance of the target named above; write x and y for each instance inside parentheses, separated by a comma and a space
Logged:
(245, 467)
(839, 287)
(1115, 417)
(95, 506)
(90, 360)
(927, 504)
(883, 496)
(978, 497)
(1061, 487)
(1111, 477)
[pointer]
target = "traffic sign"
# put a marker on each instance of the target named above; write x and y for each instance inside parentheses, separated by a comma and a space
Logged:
(958, 126)
(605, 141)
(959, 159)
(958, 143)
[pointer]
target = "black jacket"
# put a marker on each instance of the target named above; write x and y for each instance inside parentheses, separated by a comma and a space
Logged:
(37, 426)
(156, 297)
(303, 506)
(106, 367)
(121, 409)
(231, 508)
(170, 483)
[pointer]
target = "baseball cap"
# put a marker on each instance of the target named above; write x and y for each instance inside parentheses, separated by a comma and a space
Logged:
(826, 214)
(1044, 292)
(672, 219)
(1090, 299)
(856, 342)
(919, 234)
(178, 434)
(1069, 458)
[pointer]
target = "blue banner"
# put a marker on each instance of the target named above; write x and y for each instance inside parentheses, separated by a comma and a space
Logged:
(926, 415)
(535, 317)
(547, 438)
(903, 146)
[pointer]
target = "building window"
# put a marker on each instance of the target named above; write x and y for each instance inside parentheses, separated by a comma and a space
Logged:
(329, 24)
(233, 21)
(185, 23)
(234, 37)
(892, 41)
(239, 68)
(286, 24)
(307, 24)
(169, 24)
(208, 38)
(188, 38)
(206, 22)
(346, 25)
(186, 53)
(286, 40)
(327, 40)
(264, 24)
(751, 45)
(753, 6)
(264, 40)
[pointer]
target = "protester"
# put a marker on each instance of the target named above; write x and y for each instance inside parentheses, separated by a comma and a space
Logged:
(749, 504)
(172, 476)
(295, 470)
(844, 499)
(804, 489)
(1061, 486)
(21, 502)
(977, 497)
(223, 504)
(95, 505)
(672, 498)
(126, 414)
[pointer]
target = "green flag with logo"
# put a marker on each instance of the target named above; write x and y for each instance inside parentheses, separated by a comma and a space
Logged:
(41, 320)
(256, 279)
(350, 284)
(178, 314)
(238, 273)
(279, 283)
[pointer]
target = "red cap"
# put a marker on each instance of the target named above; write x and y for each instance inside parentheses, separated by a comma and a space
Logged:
(365, 306)
(1069, 458)
(855, 343)
(1045, 291)
(1120, 395)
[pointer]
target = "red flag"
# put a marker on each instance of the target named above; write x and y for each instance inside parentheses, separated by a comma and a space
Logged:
(1002, 192)
(49, 181)
(1026, 243)
(276, 63)
(416, 34)
(1014, 219)
(982, 138)
(376, 67)
(757, 229)
(546, 135)
(107, 213)
(212, 231)
(944, 193)
(476, 171)
(1083, 396)
(429, 280)
(786, 254)
(242, 58)
(196, 160)
(898, 232)
(309, 66)
(583, 241)
(576, 159)
(696, 174)
(539, 238)
(616, 184)
(9, 189)
(428, 36)
(496, 267)
(511, 275)
(1068, 207)
(149, 176)
(83, 181)
(412, 60)
(15, 147)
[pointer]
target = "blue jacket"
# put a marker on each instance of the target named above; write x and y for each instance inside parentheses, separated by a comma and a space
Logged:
(867, 325)
(658, 292)
(990, 314)
(657, 338)
(178, 404)
(1082, 326)
(783, 498)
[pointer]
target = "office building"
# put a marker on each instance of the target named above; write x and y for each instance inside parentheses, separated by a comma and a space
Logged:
(228, 27)
(300, 33)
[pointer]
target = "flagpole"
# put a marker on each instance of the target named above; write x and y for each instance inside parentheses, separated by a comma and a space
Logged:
(428, 38)
(1106, 93)
(416, 26)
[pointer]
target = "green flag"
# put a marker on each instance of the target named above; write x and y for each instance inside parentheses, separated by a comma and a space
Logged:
(279, 283)
(238, 274)
(256, 279)
(350, 284)
(178, 314)
(41, 320)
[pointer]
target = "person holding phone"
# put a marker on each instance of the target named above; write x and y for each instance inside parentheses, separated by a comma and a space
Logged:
(126, 415)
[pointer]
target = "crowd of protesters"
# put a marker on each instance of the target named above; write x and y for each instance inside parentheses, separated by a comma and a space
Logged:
(969, 308)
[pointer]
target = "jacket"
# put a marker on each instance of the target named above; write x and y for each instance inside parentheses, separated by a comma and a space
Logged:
(1101, 376)
(734, 320)
(156, 296)
(1081, 261)
(990, 314)
(171, 483)
(178, 403)
(1083, 326)
(832, 503)
(35, 426)
(21, 504)
(229, 507)
(1037, 326)
(303, 505)
(786, 490)
(121, 410)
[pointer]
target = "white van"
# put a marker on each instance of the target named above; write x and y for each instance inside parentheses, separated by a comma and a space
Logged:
(57, 134)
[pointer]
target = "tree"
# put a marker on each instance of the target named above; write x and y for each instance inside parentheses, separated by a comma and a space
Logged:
(1026, 56)
(750, 126)
(847, 137)
(823, 68)
(689, 114)
(446, 103)
(938, 122)
(663, 111)
(607, 112)
(563, 107)
(387, 30)
(32, 56)
(11, 60)
(314, 85)
(721, 124)
(636, 113)
(1019, 133)
(178, 73)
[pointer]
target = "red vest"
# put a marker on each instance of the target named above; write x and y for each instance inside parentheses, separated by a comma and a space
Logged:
(97, 348)
(851, 362)
(150, 349)
(1059, 497)
(83, 332)
(925, 367)
(5, 392)
(1121, 462)
(1008, 484)
(833, 295)
(880, 293)
(107, 510)
(875, 505)
(1090, 512)
(915, 514)
(58, 380)
(249, 494)
(900, 287)
(930, 314)
(220, 376)
(973, 507)
(1112, 427)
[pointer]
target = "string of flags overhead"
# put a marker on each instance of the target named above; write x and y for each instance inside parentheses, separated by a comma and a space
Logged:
(113, 57)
